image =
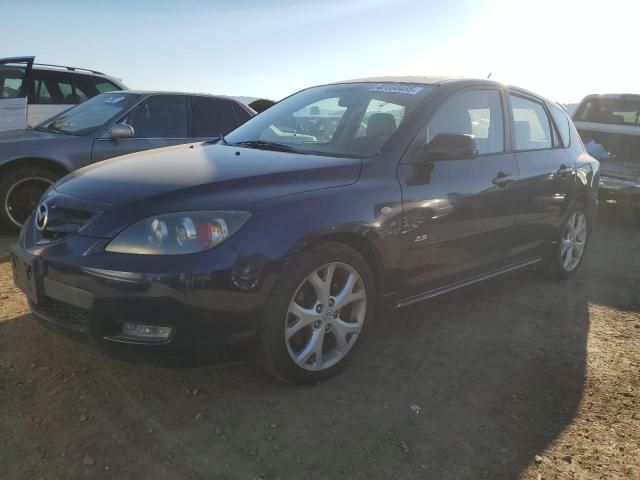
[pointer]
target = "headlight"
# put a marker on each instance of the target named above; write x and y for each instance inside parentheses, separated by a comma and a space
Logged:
(178, 233)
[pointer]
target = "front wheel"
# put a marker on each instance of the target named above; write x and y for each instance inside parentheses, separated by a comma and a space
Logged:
(568, 254)
(318, 314)
(20, 191)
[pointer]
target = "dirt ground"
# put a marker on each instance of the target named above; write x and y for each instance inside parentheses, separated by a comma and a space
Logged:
(517, 378)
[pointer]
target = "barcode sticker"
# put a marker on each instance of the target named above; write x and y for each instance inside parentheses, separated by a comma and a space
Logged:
(397, 88)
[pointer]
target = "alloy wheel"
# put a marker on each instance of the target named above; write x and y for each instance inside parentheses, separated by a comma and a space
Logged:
(574, 240)
(325, 316)
(23, 196)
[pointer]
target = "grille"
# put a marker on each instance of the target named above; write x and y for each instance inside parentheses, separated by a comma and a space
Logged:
(63, 314)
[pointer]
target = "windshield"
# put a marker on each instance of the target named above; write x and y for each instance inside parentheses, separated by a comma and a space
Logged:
(90, 115)
(352, 120)
(617, 111)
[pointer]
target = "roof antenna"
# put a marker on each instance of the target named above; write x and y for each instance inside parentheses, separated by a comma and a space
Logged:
(489, 76)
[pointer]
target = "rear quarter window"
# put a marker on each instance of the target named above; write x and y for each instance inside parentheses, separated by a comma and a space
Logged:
(563, 123)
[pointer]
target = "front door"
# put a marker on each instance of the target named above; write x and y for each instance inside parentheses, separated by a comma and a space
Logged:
(158, 121)
(15, 80)
(459, 214)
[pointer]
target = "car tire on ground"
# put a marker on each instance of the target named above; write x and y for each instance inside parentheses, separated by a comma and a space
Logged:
(20, 190)
(318, 313)
(567, 254)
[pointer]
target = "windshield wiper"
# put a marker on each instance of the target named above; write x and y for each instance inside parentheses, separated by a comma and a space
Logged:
(265, 145)
(52, 128)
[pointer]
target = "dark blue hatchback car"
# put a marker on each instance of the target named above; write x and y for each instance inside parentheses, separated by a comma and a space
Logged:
(296, 226)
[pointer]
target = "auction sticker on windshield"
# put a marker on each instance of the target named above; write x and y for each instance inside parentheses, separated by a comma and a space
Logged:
(396, 88)
(114, 100)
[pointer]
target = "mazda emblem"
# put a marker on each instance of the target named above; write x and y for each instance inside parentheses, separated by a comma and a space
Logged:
(42, 216)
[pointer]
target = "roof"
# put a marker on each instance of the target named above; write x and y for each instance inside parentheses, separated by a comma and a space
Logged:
(439, 80)
(161, 92)
(190, 94)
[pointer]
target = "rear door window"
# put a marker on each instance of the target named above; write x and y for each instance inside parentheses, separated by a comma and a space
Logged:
(616, 111)
(213, 116)
(532, 130)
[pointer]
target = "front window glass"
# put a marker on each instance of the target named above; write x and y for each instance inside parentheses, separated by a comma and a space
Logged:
(477, 113)
(89, 116)
(160, 116)
(12, 76)
(353, 120)
(617, 111)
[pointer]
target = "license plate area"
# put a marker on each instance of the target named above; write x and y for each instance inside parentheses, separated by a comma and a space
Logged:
(27, 276)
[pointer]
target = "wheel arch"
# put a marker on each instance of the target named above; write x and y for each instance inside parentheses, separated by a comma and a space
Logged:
(40, 162)
(364, 244)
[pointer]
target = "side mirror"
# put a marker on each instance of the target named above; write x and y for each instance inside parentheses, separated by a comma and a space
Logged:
(451, 146)
(121, 130)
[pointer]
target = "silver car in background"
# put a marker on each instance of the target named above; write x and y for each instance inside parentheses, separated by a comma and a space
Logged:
(108, 125)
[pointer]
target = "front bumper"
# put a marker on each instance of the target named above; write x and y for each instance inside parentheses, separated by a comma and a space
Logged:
(619, 191)
(208, 299)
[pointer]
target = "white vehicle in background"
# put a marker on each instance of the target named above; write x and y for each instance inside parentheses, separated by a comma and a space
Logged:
(610, 129)
(31, 93)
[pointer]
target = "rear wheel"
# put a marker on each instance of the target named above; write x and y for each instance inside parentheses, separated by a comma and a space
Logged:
(318, 314)
(20, 191)
(568, 254)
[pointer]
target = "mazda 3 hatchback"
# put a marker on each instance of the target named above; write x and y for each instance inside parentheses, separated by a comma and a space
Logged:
(293, 229)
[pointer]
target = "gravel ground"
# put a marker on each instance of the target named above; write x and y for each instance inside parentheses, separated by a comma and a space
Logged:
(517, 378)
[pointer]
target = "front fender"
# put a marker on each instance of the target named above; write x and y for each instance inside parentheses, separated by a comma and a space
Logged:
(280, 228)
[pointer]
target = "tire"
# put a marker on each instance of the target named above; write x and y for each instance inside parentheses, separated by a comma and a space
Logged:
(23, 187)
(323, 325)
(573, 244)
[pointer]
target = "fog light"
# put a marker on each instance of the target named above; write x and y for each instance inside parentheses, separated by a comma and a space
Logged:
(139, 330)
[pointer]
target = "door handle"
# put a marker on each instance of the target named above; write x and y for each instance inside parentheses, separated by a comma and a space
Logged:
(502, 179)
(14, 107)
(563, 171)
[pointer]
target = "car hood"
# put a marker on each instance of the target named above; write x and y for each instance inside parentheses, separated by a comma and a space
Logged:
(28, 135)
(198, 177)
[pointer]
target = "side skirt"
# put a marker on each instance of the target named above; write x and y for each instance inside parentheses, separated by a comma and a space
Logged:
(469, 281)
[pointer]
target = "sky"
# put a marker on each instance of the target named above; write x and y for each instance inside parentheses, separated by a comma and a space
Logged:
(562, 49)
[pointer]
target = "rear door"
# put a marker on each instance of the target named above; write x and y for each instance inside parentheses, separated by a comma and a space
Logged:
(459, 214)
(213, 117)
(15, 81)
(547, 172)
(159, 121)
